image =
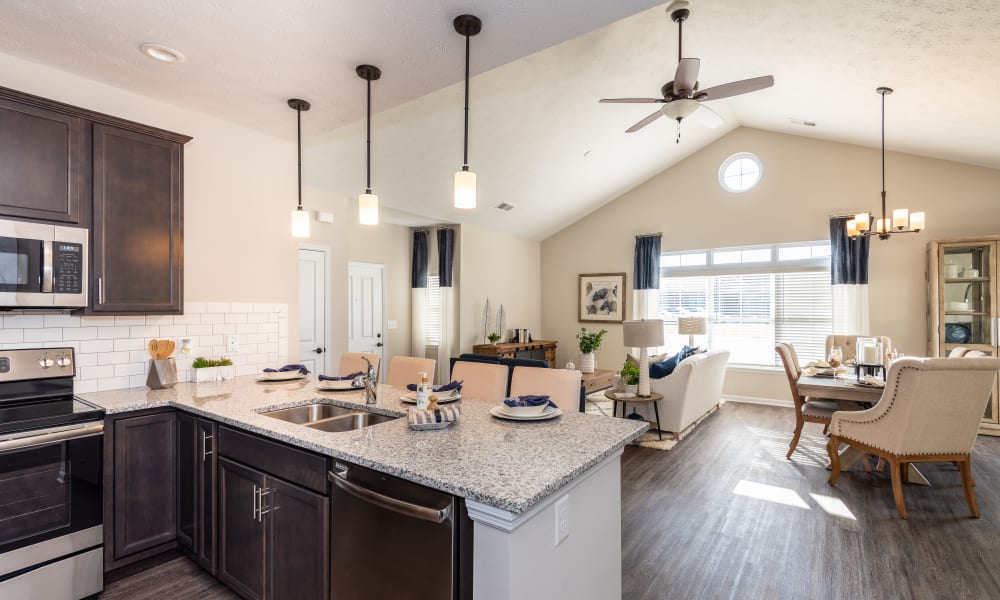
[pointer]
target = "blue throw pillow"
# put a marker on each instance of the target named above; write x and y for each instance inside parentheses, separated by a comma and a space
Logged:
(662, 369)
(687, 351)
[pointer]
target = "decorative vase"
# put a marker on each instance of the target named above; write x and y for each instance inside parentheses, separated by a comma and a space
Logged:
(587, 362)
(632, 389)
(205, 374)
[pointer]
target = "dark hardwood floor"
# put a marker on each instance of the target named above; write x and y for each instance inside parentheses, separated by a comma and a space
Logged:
(725, 515)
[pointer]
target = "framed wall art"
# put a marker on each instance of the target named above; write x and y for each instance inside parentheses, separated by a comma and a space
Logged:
(602, 298)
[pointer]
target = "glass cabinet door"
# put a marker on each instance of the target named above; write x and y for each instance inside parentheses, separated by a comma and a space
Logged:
(967, 301)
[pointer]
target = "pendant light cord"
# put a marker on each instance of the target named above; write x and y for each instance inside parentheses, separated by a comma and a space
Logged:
(885, 225)
(298, 119)
(680, 40)
(368, 142)
(465, 155)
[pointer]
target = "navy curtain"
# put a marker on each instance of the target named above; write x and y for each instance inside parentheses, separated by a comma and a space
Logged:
(419, 265)
(647, 262)
(848, 258)
(446, 255)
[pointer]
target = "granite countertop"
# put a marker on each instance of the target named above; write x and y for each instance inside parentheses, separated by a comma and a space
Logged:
(504, 464)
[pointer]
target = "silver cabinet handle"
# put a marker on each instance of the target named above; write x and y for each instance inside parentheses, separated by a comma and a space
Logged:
(262, 511)
(51, 438)
(256, 492)
(46, 266)
(100, 290)
(204, 446)
(426, 513)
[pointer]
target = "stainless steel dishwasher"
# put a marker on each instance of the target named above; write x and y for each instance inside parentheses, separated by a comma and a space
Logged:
(391, 538)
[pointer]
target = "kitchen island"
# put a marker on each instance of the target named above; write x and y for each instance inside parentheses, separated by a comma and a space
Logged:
(512, 475)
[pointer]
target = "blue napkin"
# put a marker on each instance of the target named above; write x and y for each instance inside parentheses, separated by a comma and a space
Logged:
(516, 401)
(300, 368)
(344, 378)
(454, 385)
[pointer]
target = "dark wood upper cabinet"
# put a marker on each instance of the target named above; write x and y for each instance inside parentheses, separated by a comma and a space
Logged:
(138, 242)
(41, 163)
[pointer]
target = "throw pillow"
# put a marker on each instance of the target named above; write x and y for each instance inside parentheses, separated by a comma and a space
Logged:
(686, 352)
(661, 369)
(652, 359)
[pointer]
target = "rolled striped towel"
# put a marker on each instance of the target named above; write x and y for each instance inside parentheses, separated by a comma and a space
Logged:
(444, 414)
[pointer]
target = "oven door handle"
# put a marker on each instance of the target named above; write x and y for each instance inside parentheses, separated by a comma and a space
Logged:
(51, 438)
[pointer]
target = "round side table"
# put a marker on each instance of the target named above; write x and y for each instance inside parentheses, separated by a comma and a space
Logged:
(652, 397)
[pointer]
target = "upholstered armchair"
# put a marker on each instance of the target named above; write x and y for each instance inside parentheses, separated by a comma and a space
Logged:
(929, 412)
(848, 344)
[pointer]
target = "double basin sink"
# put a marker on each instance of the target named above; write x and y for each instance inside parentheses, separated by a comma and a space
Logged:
(327, 417)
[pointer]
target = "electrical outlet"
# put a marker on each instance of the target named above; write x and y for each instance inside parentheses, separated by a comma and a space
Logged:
(562, 519)
(392, 324)
(232, 344)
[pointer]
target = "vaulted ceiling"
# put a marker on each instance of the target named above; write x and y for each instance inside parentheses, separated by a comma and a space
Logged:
(539, 140)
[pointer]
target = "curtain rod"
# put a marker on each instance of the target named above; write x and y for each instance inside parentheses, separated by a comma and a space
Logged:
(435, 228)
(645, 235)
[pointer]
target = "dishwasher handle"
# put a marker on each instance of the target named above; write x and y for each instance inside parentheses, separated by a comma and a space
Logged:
(402, 507)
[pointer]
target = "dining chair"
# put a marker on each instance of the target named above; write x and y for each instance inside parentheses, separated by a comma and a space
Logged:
(848, 344)
(484, 381)
(352, 362)
(562, 386)
(929, 412)
(957, 352)
(807, 409)
(403, 370)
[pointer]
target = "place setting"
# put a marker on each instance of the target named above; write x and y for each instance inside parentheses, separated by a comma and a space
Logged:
(445, 393)
(286, 373)
(340, 383)
(526, 408)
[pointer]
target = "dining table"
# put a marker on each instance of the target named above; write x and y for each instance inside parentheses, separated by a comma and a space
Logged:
(846, 387)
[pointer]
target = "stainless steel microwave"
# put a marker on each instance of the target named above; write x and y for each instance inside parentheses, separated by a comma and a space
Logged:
(42, 266)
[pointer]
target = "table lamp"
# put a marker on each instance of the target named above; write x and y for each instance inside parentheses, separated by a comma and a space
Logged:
(643, 334)
(692, 326)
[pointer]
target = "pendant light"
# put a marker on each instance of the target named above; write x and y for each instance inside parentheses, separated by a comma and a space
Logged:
(300, 216)
(902, 221)
(368, 202)
(465, 180)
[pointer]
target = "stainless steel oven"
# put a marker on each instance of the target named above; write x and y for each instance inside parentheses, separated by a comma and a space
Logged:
(51, 534)
(42, 266)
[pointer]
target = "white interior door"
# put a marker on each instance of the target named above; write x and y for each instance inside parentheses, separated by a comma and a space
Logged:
(314, 299)
(366, 302)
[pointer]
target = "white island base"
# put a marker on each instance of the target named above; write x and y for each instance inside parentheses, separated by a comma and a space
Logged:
(516, 557)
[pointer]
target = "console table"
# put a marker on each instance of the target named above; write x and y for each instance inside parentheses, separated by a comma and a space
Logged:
(538, 349)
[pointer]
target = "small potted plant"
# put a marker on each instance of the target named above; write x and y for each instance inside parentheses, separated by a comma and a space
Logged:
(211, 369)
(630, 375)
(493, 338)
(589, 342)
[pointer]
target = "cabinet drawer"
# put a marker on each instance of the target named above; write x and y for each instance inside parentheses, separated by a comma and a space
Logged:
(297, 466)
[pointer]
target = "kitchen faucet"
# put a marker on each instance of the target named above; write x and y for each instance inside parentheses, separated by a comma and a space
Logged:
(371, 385)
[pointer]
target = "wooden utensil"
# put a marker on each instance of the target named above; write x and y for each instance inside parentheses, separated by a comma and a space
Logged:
(153, 346)
(171, 345)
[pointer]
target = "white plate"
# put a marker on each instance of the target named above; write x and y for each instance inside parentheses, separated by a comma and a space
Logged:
(411, 398)
(500, 413)
(344, 385)
(280, 376)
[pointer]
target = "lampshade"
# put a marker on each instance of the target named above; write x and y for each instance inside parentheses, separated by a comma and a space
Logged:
(917, 220)
(680, 109)
(691, 325)
(645, 333)
(368, 209)
(300, 223)
(465, 189)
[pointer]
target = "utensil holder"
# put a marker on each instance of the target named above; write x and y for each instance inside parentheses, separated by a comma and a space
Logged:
(162, 374)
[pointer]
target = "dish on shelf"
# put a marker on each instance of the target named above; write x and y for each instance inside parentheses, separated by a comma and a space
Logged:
(957, 333)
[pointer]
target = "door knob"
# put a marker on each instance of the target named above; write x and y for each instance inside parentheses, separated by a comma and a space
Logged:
(318, 350)
(378, 345)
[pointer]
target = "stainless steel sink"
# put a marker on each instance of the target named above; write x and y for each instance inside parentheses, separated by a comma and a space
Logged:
(355, 420)
(309, 413)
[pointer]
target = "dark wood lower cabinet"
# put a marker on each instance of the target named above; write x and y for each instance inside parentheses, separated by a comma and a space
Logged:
(144, 488)
(196, 472)
(242, 555)
(297, 548)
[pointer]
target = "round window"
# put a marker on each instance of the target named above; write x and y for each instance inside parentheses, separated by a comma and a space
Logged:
(740, 172)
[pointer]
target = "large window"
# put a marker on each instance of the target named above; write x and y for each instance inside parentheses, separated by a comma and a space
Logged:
(753, 297)
(432, 316)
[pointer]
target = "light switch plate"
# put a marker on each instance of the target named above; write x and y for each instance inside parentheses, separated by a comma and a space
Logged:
(232, 344)
(324, 217)
(562, 519)
(392, 324)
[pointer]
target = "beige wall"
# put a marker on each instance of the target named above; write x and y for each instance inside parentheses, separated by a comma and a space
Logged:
(805, 180)
(507, 270)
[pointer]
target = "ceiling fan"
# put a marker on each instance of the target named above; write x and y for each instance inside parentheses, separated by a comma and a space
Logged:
(681, 97)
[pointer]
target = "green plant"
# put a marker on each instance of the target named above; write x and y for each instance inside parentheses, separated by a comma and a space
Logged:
(493, 337)
(590, 341)
(630, 373)
(202, 363)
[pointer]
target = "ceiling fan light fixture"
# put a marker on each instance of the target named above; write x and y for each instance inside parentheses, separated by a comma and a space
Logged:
(680, 109)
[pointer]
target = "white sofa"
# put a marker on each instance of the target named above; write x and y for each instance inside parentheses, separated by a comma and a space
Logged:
(693, 389)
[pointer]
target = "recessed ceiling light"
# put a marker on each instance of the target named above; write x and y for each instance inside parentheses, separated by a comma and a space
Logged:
(162, 53)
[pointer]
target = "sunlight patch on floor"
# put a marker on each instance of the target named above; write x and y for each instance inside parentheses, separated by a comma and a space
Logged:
(833, 506)
(770, 493)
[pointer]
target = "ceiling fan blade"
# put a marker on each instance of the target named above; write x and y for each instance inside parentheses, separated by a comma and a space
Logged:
(735, 88)
(645, 122)
(631, 100)
(708, 117)
(686, 76)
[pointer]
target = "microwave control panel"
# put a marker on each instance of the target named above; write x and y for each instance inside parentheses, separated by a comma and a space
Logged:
(67, 268)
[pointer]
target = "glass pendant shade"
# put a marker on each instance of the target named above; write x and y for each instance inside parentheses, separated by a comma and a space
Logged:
(680, 109)
(368, 209)
(300, 223)
(862, 221)
(917, 220)
(465, 189)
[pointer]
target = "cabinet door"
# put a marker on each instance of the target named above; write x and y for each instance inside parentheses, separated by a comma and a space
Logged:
(298, 530)
(187, 482)
(41, 163)
(206, 460)
(241, 534)
(145, 476)
(137, 223)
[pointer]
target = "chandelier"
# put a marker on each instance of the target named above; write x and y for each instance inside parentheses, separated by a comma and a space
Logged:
(902, 221)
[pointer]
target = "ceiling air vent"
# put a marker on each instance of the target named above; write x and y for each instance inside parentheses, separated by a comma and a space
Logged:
(505, 207)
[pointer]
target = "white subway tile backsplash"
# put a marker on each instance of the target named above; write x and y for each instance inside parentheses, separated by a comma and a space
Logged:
(144, 331)
(247, 328)
(86, 360)
(224, 329)
(130, 320)
(128, 344)
(98, 372)
(126, 369)
(168, 331)
(240, 307)
(194, 307)
(11, 336)
(236, 318)
(110, 333)
(22, 321)
(100, 321)
(159, 319)
(263, 308)
(187, 319)
(113, 358)
(97, 346)
(213, 318)
(62, 321)
(217, 307)
(80, 333)
(84, 387)
(194, 330)
(43, 335)
(112, 383)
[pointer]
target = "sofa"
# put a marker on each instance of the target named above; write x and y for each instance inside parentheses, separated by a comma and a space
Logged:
(693, 389)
